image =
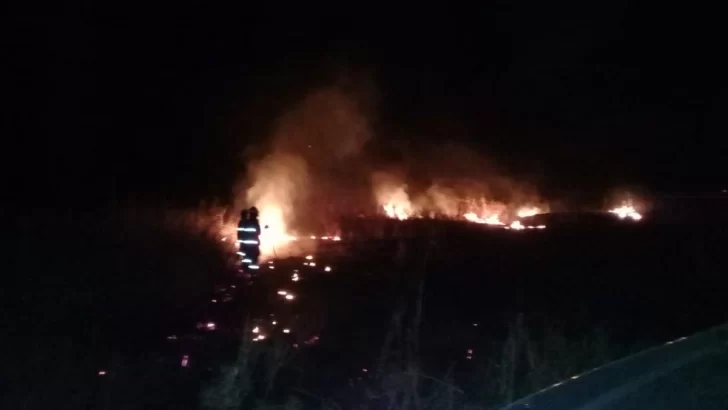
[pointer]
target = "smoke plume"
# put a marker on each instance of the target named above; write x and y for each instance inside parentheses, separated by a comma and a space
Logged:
(310, 158)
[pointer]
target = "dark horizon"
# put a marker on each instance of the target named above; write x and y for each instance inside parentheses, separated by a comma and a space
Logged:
(161, 104)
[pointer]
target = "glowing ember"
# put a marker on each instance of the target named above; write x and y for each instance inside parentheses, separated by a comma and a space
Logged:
(490, 220)
(256, 330)
(289, 296)
(626, 211)
(286, 330)
(309, 257)
(282, 292)
(528, 211)
(327, 269)
(210, 326)
(102, 372)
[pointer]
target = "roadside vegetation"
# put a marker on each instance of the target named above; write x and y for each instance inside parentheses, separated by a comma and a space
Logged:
(526, 361)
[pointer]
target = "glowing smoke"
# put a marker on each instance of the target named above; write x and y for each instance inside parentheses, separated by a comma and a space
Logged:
(463, 198)
(527, 211)
(391, 195)
(310, 149)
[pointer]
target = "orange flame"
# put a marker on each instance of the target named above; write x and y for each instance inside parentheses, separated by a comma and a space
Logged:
(488, 220)
(399, 211)
(391, 195)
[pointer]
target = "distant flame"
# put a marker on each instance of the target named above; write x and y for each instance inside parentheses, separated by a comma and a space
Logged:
(489, 220)
(528, 211)
(626, 210)
(517, 225)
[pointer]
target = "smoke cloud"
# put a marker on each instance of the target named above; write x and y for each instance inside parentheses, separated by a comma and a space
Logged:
(322, 162)
(452, 181)
(328, 125)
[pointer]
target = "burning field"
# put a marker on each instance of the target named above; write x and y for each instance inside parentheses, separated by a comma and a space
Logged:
(323, 162)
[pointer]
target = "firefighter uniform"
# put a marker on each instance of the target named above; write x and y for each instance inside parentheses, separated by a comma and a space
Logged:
(249, 239)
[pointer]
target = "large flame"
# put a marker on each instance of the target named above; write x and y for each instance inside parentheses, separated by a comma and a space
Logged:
(391, 195)
(279, 182)
(397, 209)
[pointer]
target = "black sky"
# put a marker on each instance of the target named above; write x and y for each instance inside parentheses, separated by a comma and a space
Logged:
(107, 103)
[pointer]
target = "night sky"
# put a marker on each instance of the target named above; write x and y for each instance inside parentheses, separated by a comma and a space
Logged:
(159, 102)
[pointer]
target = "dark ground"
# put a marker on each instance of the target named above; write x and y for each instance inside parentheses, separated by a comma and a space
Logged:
(81, 299)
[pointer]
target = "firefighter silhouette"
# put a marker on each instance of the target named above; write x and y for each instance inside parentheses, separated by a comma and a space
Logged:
(249, 239)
